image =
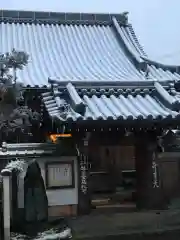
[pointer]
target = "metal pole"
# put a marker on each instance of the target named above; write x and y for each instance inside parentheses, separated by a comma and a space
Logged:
(6, 174)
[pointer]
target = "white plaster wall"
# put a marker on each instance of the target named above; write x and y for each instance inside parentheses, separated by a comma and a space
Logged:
(61, 196)
(21, 187)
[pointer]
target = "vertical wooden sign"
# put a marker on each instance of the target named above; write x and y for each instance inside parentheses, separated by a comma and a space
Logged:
(83, 193)
(83, 174)
(155, 172)
(84, 201)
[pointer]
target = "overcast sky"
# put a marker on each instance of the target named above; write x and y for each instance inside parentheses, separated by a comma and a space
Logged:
(155, 21)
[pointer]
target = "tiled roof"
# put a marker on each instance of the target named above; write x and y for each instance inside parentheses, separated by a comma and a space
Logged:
(162, 72)
(152, 102)
(24, 149)
(70, 50)
(154, 70)
(74, 47)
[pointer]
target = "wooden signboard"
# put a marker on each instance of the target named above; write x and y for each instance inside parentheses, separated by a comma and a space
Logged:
(60, 175)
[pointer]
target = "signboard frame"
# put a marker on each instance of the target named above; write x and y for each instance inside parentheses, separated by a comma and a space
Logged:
(56, 167)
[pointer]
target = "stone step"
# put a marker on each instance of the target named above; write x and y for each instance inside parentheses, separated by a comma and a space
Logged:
(114, 208)
(106, 199)
(100, 202)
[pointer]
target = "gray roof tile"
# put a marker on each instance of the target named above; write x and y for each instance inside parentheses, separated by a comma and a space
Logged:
(69, 52)
(24, 149)
(155, 103)
(78, 47)
(156, 70)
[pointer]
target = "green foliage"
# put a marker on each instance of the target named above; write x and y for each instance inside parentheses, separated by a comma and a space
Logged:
(12, 61)
(9, 63)
(13, 116)
(16, 59)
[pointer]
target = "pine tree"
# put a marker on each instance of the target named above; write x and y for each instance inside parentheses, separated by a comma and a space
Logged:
(14, 116)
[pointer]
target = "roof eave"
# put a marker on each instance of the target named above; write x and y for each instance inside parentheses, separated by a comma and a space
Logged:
(108, 84)
(172, 68)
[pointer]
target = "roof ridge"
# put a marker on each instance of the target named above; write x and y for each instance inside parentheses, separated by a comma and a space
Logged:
(131, 51)
(131, 44)
(138, 53)
(109, 84)
(48, 16)
(145, 57)
(64, 12)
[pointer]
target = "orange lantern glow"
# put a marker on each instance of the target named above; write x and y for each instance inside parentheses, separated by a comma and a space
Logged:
(54, 137)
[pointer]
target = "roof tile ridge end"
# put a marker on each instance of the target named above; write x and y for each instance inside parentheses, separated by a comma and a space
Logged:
(136, 40)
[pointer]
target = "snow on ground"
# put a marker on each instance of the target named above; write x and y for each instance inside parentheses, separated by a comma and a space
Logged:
(46, 235)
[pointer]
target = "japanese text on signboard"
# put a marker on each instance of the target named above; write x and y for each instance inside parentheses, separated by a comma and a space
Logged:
(83, 174)
(155, 171)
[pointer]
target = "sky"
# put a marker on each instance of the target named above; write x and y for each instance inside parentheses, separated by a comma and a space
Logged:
(155, 21)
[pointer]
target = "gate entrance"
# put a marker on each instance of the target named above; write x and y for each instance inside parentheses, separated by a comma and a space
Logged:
(112, 177)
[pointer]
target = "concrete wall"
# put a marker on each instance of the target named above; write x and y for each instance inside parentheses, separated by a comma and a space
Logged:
(61, 196)
(61, 201)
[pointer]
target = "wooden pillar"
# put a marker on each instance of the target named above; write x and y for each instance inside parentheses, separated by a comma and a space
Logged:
(84, 200)
(149, 186)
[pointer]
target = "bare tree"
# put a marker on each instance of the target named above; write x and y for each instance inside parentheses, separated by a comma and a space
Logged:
(14, 117)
